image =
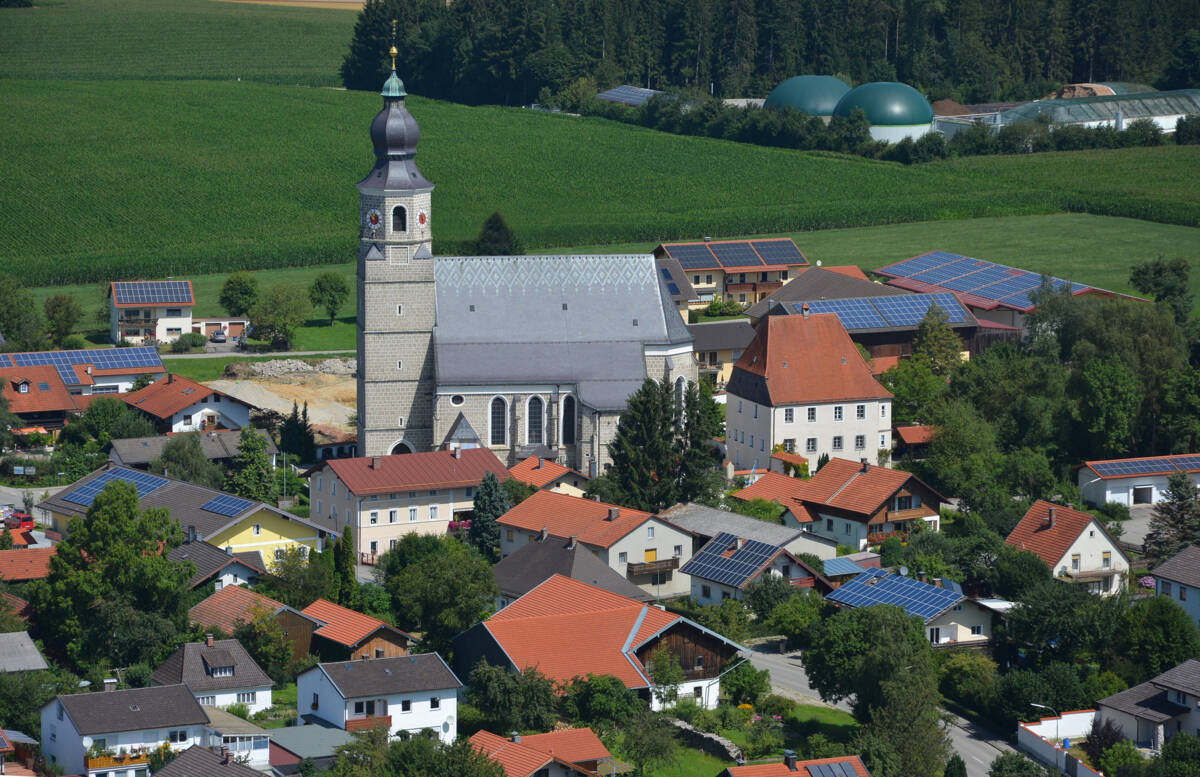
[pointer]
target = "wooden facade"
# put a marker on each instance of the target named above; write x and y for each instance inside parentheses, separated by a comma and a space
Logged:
(299, 631)
(701, 655)
(382, 643)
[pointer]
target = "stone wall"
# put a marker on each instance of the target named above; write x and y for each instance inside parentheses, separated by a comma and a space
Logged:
(716, 746)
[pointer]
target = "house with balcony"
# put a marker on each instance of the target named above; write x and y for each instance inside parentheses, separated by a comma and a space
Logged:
(38, 396)
(742, 270)
(718, 345)
(546, 475)
(149, 312)
(344, 634)
(727, 564)
(1074, 544)
(645, 549)
(177, 404)
(408, 693)
(803, 385)
(566, 629)
(387, 497)
(851, 504)
(112, 733)
(219, 673)
(228, 734)
(951, 619)
(707, 522)
(1179, 578)
(573, 752)
(1156, 710)
(88, 371)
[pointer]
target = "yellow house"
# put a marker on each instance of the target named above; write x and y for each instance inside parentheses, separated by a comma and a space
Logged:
(718, 344)
(238, 525)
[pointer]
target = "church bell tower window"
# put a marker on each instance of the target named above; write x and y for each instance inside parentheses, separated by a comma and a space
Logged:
(399, 219)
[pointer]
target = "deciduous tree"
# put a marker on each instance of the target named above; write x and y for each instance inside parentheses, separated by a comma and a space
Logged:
(666, 675)
(936, 343)
(268, 644)
(279, 312)
(299, 578)
(62, 314)
(20, 319)
(512, 701)
(239, 293)
(183, 458)
(1166, 281)
(647, 739)
(328, 292)
(601, 702)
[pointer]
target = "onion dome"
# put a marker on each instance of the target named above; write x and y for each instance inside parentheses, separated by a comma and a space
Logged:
(887, 103)
(811, 95)
(394, 134)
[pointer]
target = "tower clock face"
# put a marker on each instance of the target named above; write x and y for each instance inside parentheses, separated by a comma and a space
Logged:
(374, 219)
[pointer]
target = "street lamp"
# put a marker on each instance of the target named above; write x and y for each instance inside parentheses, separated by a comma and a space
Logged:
(1057, 720)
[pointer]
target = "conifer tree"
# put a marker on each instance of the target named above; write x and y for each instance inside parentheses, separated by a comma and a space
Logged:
(496, 239)
(343, 567)
(643, 450)
(1175, 522)
(491, 502)
(250, 475)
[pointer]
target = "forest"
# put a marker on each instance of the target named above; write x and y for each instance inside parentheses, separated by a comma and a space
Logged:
(506, 52)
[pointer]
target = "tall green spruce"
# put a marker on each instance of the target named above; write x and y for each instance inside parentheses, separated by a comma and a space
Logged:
(296, 436)
(250, 475)
(343, 568)
(1175, 522)
(660, 454)
(496, 238)
(491, 502)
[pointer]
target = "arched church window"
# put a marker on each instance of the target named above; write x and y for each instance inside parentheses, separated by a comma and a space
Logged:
(534, 422)
(568, 420)
(499, 412)
(399, 219)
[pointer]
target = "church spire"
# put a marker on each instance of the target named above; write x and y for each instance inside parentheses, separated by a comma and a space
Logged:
(393, 88)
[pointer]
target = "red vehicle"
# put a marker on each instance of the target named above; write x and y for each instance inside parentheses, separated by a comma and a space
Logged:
(19, 522)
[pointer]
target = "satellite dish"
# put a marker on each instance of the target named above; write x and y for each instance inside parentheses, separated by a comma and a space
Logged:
(818, 263)
(904, 571)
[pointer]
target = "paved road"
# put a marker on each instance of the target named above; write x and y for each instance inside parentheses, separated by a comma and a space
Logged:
(978, 747)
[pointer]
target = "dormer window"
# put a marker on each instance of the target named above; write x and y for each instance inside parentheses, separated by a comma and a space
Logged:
(220, 671)
(22, 388)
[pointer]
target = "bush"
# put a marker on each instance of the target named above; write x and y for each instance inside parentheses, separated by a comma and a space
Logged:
(187, 341)
(241, 710)
(764, 736)
(774, 704)
(745, 684)
(1101, 738)
(1143, 132)
(1187, 130)
(75, 342)
(768, 592)
(1121, 754)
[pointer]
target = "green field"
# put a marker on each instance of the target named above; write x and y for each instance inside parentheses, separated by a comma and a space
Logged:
(174, 39)
(179, 178)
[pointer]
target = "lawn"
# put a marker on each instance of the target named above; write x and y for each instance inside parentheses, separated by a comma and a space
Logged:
(191, 177)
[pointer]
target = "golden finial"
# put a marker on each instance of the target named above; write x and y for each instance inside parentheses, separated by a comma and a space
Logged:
(393, 50)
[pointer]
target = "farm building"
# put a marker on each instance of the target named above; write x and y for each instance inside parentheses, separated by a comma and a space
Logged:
(1115, 110)
(634, 96)
(896, 111)
(811, 95)
(1134, 481)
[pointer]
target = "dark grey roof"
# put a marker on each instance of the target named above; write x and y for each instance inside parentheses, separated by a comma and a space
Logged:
(209, 560)
(748, 386)
(135, 709)
(535, 562)
(1146, 701)
(405, 674)
(140, 451)
(183, 500)
(708, 522)
(199, 761)
(552, 319)
(1185, 677)
(19, 654)
(187, 665)
(462, 432)
(684, 292)
(734, 334)
(819, 283)
(314, 740)
(1183, 567)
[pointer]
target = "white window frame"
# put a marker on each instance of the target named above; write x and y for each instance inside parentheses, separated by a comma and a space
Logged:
(412, 514)
(789, 415)
(839, 413)
(811, 414)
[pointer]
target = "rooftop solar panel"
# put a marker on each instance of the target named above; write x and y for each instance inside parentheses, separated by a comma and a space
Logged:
(910, 267)
(779, 251)
(1186, 463)
(143, 481)
(153, 293)
(973, 280)
(100, 358)
(946, 271)
(735, 254)
(673, 289)
(734, 570)
(628, 95)
(665, 273)
(853, 313)
(695, 256)
(1133, 467)
(1014, 284)
(908, 310)
(876, 586)
(227, 505)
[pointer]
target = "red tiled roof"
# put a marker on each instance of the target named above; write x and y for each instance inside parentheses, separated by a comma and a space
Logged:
(572, 516)
(841, 483)
(55, 397)
(167, 396)
(915, 435)
(542, 629)
(881, 364)
(228, 606)
(1034, 532)
(778, 769)
(849, 270)
(415, 471)
(773, 487)
(539, 472)
(19, 606)
(569, 744)
(807, 359)
(517, 759)
(790, 458)
(25, 564)
(345, 626)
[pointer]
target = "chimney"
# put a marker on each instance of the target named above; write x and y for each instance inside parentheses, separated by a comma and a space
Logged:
(224, 756)
(938, 582)
(544, 534)
(613, 513)
(191, 533)
(595, 499)
(515, 737)
(376, 461)
(804, 309)
(924, 577)
(110, 683)
(1050, 518)
(539, 464)
(865, 466)
(458, 451)
(170, 378)
(789, 760)
(208, 639)
(571, 542)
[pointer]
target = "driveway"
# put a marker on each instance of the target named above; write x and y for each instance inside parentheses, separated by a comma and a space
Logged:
(1134, 531)
(977, 746)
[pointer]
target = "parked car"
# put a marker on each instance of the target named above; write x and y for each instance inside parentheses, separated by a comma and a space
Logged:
(217, 336)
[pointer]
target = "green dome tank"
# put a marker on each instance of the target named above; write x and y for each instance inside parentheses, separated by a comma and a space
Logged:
(811, 95)
(887, 103)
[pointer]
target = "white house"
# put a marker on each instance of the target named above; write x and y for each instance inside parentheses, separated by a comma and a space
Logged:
(409, 693)
(643, 548)
(178, 404)
(94, 370)
(1074, 545)
(149, 312)
(951, 619)
(112, 733)
(220, 673)
(1134, 481)
(1154, 711)
(727, 564)
(802, 384)
(241, 738)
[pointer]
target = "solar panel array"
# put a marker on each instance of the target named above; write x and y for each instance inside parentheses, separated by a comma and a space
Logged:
(745, 253)
(143, 481)
(628, 95)
(882, 312)
(153, 293)
(841, 566)
(876, 586)
(1156, 466)
(100, 358)
(711, 564)
(1007, 285)
(227, 505)
(835, 769)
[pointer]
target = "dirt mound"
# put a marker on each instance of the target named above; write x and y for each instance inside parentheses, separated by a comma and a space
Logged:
(276, 367)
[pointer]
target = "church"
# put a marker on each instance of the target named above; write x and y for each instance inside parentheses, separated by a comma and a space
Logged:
(525, 355)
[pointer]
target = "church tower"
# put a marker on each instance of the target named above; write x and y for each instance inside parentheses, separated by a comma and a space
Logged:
(395, 288)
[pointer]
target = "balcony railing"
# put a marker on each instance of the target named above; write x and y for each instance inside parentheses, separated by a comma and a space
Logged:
(739, 287)
(654, 567)
(114, 761)
(359, 724)
(769, 285)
